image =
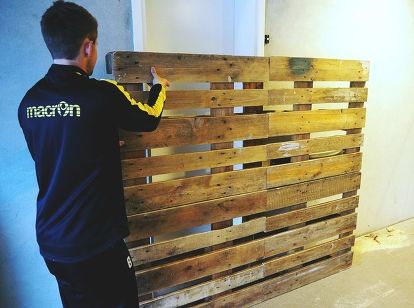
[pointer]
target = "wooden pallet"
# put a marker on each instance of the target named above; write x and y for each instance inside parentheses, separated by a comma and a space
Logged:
(295, 195)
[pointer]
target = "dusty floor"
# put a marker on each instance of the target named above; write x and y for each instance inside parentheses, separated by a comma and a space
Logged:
(382, 275)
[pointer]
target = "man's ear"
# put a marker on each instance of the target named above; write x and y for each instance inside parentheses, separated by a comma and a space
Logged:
(87, 47)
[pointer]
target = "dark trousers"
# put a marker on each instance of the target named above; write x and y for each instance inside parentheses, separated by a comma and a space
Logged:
(106, 280)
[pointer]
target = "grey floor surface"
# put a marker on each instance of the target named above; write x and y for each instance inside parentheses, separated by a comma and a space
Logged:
(382, 275)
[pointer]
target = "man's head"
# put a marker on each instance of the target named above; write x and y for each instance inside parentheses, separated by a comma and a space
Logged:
(70, 32)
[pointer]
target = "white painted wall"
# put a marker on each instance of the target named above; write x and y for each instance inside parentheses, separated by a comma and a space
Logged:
(380, 31)
(195, 26)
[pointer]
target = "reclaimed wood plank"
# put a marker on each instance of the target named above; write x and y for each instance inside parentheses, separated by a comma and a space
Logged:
(180, 67)
(192, 99)
(182, 217)
(252, 274)
(139, 167)
(198, 130)
(353, 85)
(276, 265)
(254, 142)
(220, 112)
(294, 159)
(317, 69)
(299, 122)
(192, 268)
(203, 290)
(160, 250)
(312, 169)
(285, 241)
(310, 213)
(166, 194)
(200, 266)
(316, 95)
(293, 194)
(257, 293)
(312, 146)
(307, 275)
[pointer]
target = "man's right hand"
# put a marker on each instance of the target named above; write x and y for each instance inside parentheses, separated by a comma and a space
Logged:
(158, 79)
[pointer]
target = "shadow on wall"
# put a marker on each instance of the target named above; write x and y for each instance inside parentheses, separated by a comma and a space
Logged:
(7, 293)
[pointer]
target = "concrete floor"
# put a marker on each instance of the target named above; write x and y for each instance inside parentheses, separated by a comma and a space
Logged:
(382, 275)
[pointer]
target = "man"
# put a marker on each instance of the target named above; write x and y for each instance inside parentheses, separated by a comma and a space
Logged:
(70, 123)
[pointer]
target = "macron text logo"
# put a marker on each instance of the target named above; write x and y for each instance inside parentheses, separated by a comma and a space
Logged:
(62, 109)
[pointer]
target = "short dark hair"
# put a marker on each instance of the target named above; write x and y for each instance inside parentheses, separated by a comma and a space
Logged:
(64, 27)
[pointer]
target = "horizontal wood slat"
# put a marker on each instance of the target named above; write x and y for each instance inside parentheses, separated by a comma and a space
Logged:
(299, 122)
(262, 291)
(313, 169)
(160, 250)
(310, 213)
(217, 286)
(146, 166)
(134, 67)
(191, 161)
(192, 99)
(202, 130)
(312, 146)
(196, 214)
(192, 268)
(316, 95)
(198, 130)
(313, 69)
(294, 194)
(299, 237)
(220, 260)
(160, 195)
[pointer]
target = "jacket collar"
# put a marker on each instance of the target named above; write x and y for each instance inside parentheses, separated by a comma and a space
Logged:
(66, 70)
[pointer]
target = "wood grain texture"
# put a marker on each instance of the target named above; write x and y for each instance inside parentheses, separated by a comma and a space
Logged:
(316, 95)
(310, 213)
(200, 266)
(192, 215)
(135, 67)
(312, 169)
(353, 85)
(192, 99)
(139, 167)
(191, 242)
(302, 192)
(299, 122)
(312, 146)
(285, 241)
(166, 194)
(316, 69)
(286, 262)
(188, 269)
(257, 293)
(252, 274)
(198, 130)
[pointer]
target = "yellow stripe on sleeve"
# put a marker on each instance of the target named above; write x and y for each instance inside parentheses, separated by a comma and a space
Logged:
(154, 110)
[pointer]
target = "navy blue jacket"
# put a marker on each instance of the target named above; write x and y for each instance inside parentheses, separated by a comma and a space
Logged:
(70, 123)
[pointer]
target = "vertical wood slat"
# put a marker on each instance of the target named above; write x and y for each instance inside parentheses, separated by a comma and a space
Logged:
(219, 146)
(252, 110)
(254, 142)
(353, 84)
(142, 180)
(300, 107)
